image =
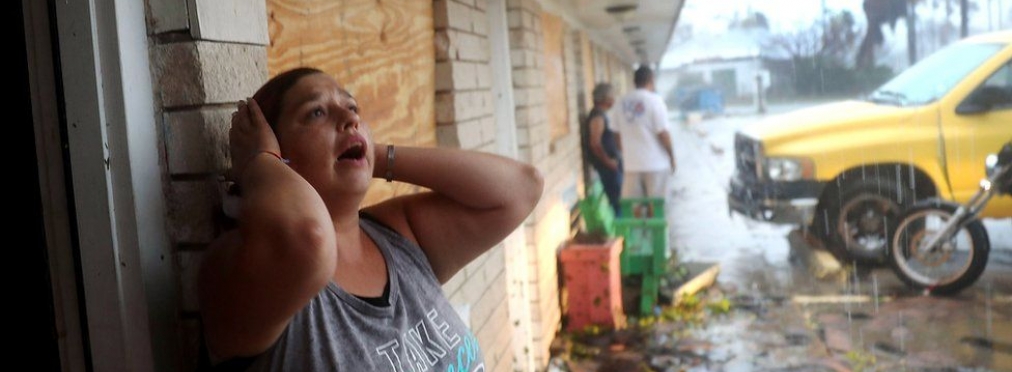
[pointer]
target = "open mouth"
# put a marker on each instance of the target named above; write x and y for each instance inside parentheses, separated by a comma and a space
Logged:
(353, 153)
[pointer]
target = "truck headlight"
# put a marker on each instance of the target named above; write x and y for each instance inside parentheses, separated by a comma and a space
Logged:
(789, 169)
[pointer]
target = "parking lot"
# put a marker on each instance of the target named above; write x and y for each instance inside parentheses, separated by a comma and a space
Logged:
(799, 309)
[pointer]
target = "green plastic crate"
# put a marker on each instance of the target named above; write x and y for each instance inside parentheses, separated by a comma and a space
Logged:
(649, 293)
(644, 227)
(646, 243)
(642, 208)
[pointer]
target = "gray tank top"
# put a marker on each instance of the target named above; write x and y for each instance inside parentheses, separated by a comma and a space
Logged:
(419, 331)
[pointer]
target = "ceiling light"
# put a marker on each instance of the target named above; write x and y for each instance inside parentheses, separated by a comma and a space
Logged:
(623, 8)
(621, 12)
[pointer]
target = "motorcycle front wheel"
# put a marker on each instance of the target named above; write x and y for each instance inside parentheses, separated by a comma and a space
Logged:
(949, 267)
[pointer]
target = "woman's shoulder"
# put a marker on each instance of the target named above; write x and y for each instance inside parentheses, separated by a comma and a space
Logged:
(403, 249)
(389, 235)
(390, 217)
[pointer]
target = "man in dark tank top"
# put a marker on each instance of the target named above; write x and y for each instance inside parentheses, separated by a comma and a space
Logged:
(601, 145)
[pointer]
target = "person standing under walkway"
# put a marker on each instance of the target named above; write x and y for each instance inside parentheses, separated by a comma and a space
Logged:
(601, 145)
(641, 121)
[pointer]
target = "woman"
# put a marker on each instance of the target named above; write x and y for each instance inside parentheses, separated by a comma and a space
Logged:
(308, 282)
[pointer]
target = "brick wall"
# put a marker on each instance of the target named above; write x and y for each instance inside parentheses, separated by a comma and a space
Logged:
(200, 68)
(534, 142)
(559, 160)
(465, 119)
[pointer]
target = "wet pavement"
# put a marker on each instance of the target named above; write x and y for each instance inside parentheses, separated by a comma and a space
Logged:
(785, 315)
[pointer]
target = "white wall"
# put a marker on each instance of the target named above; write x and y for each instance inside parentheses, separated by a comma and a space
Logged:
(745, 74)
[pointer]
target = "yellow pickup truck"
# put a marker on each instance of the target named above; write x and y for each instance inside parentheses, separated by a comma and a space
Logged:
(846, 170)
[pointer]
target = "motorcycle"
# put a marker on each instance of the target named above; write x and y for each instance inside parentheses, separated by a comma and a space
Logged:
(941, 246)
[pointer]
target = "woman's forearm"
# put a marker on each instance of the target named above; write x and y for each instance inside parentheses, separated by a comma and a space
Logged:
(474, 179)
(280, 207)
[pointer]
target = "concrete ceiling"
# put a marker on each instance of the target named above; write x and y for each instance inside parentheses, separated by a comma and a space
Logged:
(638, 35)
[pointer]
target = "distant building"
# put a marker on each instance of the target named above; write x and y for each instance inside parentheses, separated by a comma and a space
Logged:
(735, 78)
(728, 62)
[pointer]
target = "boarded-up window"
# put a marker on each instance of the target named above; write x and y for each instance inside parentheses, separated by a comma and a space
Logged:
(381, 52)
(587, 60)
(620, 74)
(555, 77)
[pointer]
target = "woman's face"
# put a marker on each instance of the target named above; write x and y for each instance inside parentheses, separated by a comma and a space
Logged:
(322, 135)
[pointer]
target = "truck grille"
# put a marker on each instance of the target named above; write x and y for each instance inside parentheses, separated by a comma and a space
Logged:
(747, 152)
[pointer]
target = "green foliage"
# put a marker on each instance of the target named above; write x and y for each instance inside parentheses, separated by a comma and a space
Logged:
(581, 351)
(818, 58)
(861, 361)
(721, 307)
(592, 330)
(692, 309)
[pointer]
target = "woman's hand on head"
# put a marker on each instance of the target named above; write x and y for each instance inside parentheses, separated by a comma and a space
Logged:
(250, 135)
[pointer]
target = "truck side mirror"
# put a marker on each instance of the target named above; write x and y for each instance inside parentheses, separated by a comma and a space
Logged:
(983, 100)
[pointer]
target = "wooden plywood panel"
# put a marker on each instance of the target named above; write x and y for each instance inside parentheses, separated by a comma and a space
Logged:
(620, 74)
(587, 61)
(380, 51)
(555, 76)
(600, 70)
(607, 68)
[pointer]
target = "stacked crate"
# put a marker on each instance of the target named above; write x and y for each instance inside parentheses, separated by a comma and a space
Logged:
(644, 230)
(593, 285)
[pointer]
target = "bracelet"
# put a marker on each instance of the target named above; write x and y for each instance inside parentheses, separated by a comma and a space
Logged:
(389, 175)
(278, 156)
(272, 153)
(251, 157)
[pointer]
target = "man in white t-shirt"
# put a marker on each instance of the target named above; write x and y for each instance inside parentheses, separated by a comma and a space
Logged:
(641, 119)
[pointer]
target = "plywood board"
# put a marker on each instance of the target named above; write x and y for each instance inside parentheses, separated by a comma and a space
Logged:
(587, 61)
(621, 76)
(600, 69)
(556, 105)
(380, 51)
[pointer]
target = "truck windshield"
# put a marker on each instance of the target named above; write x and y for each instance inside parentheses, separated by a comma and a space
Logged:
(934, 76)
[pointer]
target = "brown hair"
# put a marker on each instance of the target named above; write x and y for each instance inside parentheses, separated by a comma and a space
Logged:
(271, 95)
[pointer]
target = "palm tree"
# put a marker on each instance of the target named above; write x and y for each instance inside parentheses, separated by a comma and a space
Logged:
(964, 18)
(878, 13)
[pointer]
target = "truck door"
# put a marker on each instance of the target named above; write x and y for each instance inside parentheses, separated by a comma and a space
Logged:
(979, 125)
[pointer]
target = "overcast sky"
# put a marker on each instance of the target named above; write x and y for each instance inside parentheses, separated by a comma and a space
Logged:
(713, 16)
(709, 20)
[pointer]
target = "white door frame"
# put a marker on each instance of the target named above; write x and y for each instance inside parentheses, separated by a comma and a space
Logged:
(125, 256)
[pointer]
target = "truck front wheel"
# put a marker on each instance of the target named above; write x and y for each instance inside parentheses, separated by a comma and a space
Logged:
(857, 225)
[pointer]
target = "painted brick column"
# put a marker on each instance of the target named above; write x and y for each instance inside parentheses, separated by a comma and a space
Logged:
(465, 119)
(203, 62)
(533, 140)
